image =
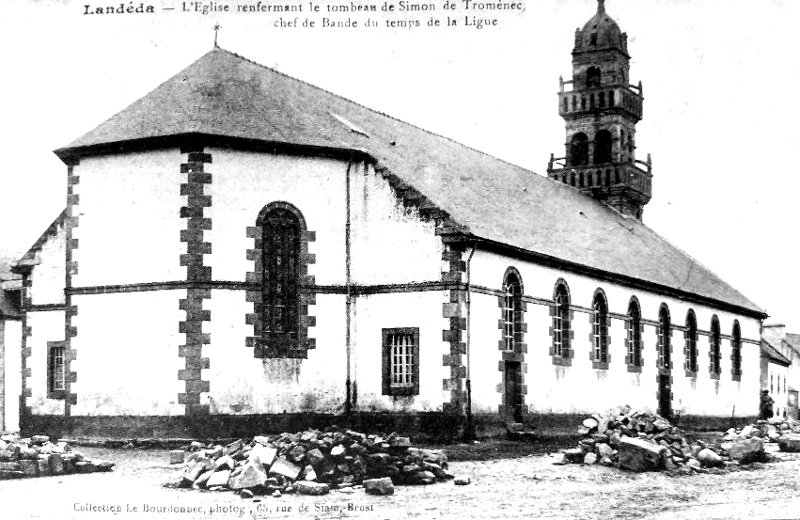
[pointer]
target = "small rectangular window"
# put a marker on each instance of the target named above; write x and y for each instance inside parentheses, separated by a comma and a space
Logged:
(401, 361)
(56, 370)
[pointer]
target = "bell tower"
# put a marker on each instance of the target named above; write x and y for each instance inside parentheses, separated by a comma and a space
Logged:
(601, 108)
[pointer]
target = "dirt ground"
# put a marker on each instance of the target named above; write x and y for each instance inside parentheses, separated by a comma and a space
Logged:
(525, 487)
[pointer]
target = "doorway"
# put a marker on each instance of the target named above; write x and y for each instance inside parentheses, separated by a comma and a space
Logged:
(513, 394)
(665, 395)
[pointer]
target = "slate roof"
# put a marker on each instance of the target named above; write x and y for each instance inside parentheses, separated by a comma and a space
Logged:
(9, 281)
(793, 340)
(772, 354)
(223, 94)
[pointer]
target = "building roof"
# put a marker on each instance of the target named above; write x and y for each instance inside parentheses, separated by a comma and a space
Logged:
(9, 281)
(772, 354)
(793, 340)
(225, 95)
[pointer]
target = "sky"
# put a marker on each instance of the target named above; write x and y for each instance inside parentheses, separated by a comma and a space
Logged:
(719, 117)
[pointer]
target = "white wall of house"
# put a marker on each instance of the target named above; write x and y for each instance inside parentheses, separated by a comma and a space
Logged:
(390, 243)
(44, 326)
(372, 314)
(776, 383)
(129, 219)
(48, 276)
(244, 182)
(11, 377)
(579, 388)
(127, 353)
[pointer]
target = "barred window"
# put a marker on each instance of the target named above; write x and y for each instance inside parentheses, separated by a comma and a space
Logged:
(561, 325)
(736, 352)
(281, 287)
(401, 361)
(691, 342)
(512, 312)
(634, 334)
(664, 360)
(56, 368)
(715, 367)
(600, 328)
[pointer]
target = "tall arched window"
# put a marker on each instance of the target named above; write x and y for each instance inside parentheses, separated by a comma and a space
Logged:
(280, 276)
(602, 147)
(512, 311)
(600, 330)
(736, 352)
(714, 354)
(561, 324)
(579, 150)
(664, 347)
(634, 340)
(690, 350)
(593, 77)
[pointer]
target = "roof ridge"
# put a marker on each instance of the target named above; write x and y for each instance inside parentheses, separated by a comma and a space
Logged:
(384, 114)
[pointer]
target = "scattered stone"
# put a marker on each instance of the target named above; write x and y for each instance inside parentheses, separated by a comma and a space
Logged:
(462, 480)
(590, 458)
(709, 458)
(379, 486)
(312, 488)
(176, 457)
(283, 467)
(252, 475)
(639, 455)
(748, 450)
(246, 493)
(219, 479)
(789, 443)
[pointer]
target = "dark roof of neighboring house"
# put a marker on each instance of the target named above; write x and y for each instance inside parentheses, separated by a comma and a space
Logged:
(793, 340)
(225, 95)
(9, 281)
(772, 354)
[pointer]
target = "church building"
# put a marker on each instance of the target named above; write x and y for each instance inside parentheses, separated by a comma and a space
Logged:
(243, 252)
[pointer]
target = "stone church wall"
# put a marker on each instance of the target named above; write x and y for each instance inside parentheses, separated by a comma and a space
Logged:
(579, 388)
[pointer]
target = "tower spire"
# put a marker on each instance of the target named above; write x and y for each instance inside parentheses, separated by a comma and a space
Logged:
(600, 108)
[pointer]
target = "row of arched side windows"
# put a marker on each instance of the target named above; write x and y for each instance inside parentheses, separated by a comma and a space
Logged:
(561, 331)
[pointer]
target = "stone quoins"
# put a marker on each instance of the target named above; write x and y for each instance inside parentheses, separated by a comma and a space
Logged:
(196, 270)
(454, 311)
(72, 221)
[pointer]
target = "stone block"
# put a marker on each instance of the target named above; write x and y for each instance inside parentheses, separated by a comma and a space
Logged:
(709, 458)
(176, 457)
(312, 488)
(639, 455)
(43, 467)
(84, 466)
(281, 466)
(379, 486)
(266, 454)
(252, 475)
(219, 479)
(789, 443)
(748, 450)
(462, 480)
(421, 478)
(29, 467)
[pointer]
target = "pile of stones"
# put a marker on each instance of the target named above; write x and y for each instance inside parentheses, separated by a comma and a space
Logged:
(644, 441)
(311, 462)
(38, 457)
(784, 432)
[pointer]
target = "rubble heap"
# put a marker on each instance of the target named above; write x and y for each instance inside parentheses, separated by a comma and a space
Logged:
(38, 457)
(785, 432)
(310, 462)
(644, 441)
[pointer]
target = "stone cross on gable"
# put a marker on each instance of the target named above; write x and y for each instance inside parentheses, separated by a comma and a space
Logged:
(216, 32)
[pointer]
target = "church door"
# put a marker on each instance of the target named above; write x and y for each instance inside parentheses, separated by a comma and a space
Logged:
(665, 395)
(513, 396)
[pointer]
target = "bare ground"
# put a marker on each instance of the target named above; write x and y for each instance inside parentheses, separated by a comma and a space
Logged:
(529, 486)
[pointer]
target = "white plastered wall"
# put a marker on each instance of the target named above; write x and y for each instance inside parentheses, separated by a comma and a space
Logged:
(44, 326)
(579, 388)
(127, 353)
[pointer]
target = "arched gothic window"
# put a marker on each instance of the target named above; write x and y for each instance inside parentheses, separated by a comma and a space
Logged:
(690, 353)
(664, 347)
(634, 334)
(602, 147)
(593, 76)
(280, 277)
(512, 311)
(736, 352)
(561, 323)
(579, 150)
(600, 330)
(714, 354)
